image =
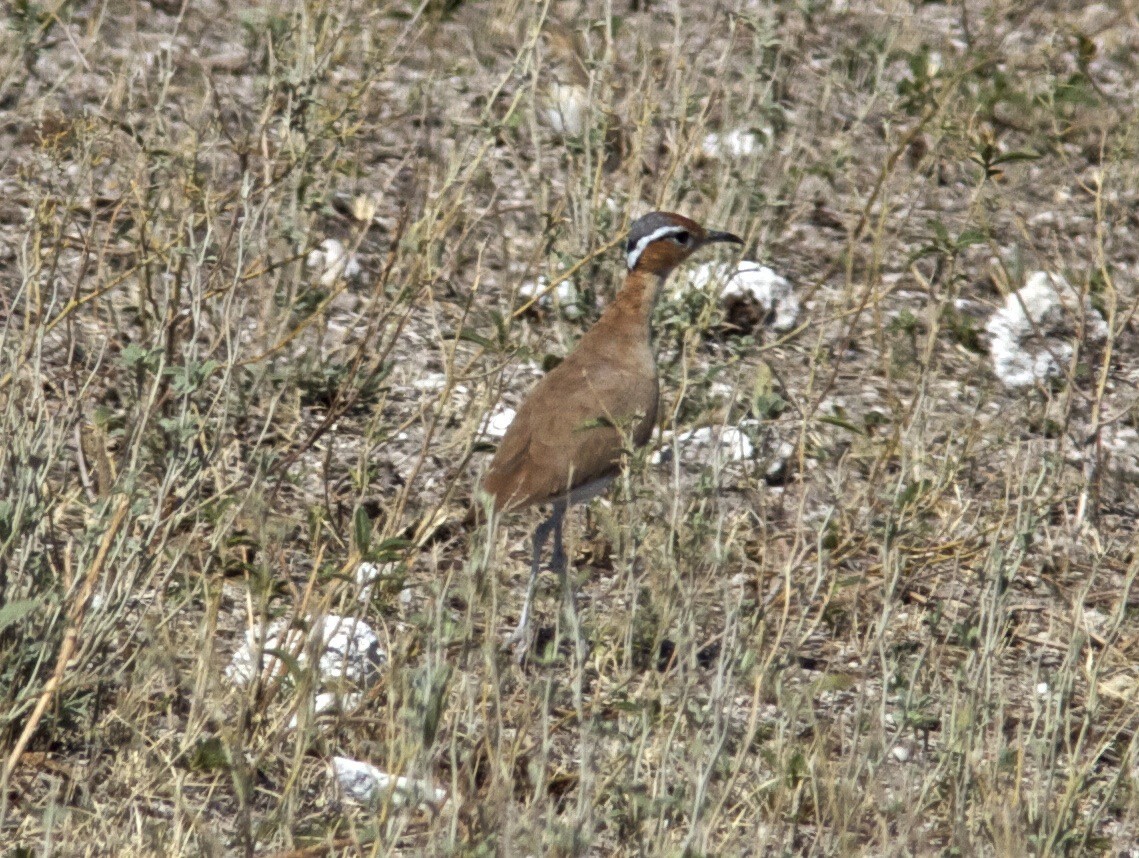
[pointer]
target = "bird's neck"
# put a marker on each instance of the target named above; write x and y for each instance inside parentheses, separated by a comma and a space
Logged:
(624, 331)
(635, 302)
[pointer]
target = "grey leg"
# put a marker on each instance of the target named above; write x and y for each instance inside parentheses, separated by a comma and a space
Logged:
(560, 564)
(520, 638)
(558, 560)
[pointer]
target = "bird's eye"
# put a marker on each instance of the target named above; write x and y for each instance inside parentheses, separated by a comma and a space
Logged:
(680, 238)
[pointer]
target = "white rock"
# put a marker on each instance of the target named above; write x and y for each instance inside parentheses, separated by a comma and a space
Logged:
(566, 108)
(732, 144)
(722, 390)
(328, 702)
(777, 470)
(430, 382)
(1121, 445)
(1042, 689)
(770, 290)
(1031, 335)
(755, 283)
(348, 647)
(730, 443)
(735, 445)
(498, 421)
(333, 262)
(900, 753)
(367, 784)
(702, 276)
(436, 382)
(564, 295)
(367, 576)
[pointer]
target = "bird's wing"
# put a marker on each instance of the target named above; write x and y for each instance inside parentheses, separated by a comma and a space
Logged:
(570, 431)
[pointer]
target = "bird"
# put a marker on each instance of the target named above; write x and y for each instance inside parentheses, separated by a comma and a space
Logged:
(568, 438)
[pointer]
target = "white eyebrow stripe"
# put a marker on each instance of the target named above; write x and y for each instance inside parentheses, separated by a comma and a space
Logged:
(660, 232)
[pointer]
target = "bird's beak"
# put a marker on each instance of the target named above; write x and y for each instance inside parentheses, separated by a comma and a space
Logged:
(714, 236)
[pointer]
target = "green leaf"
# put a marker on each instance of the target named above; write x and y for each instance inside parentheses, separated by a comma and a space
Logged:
(13, 612)
(841, 423)
(594, 423)
(210, 755)
(472, 336)
(134, 355)
(970, 237)
(292, 665)
(874, 419)
(435, 703)
(768, 406)
(362, 530)
(6, 520)
(500, 326)
(911, 493)
(1009, 157)
(390, 549)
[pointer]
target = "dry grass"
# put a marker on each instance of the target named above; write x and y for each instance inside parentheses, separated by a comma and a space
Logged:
(918, 640)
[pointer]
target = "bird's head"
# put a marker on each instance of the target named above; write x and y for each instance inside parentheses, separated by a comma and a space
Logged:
(660, 241)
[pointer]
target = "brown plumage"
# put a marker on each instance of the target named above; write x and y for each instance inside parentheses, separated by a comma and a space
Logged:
(575, 422)
(567, 439)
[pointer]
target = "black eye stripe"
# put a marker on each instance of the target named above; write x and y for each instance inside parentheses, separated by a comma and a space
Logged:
(643, 237)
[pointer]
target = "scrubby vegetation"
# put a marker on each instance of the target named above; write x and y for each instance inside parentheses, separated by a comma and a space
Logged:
(266, 268)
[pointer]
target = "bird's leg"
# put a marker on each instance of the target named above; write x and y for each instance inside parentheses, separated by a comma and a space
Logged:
(520, 638)
(560, 564)
(558, 560)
